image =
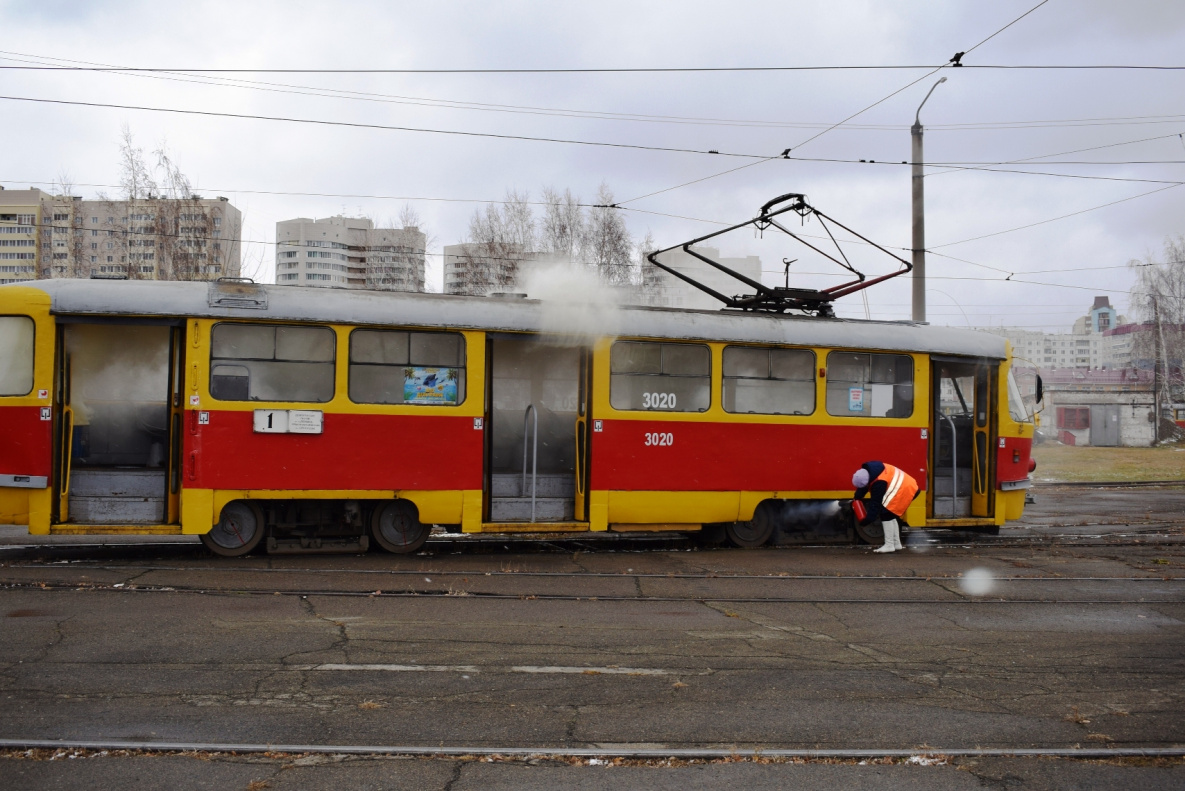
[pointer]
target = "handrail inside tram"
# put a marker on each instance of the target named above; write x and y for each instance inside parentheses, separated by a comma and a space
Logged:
(529, 413)
(954, 465)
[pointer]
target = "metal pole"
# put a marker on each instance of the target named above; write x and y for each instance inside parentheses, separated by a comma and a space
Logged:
(919, 227)
(919, 214)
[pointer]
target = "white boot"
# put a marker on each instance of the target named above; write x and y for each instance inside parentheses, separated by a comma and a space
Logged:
(892, 537)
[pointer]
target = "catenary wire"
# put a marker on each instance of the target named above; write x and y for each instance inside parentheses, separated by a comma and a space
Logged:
(844, 121)
(1053, 219)
(383, 127)
(338, 93)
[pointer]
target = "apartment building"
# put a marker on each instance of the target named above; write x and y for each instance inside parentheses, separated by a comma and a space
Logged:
(663, 289)
(349, 252)
(48, 236)
(1091, 344)
(20, 217)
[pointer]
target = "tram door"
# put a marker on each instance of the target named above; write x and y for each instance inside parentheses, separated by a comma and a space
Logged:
(118, 398)
(963, 425)
(537, 440)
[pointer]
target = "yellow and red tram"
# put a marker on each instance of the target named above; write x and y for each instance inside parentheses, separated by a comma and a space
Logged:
(316, 419)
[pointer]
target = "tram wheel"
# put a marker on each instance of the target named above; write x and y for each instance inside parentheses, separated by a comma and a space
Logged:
(873, 533)
(239, 530)
(753, 533)
(396, 527)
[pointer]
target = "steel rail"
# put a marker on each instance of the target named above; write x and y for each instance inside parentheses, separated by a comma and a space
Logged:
(963, 598)
(597, 574)
(1110, 484)
(623, 751)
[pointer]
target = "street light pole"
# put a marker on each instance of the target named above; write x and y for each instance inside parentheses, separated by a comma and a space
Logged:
(919, 215)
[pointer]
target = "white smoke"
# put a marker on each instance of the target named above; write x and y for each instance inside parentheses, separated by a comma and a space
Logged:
(577, 306)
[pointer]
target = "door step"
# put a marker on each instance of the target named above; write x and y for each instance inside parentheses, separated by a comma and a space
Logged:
(945, 508)
(518, 509)
(534, 527)
(117, 496)
(546, 485)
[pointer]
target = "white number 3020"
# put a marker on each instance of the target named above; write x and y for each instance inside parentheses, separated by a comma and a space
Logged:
(660, 438)
(658, 400)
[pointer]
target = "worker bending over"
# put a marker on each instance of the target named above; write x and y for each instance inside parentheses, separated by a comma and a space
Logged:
(890, 491)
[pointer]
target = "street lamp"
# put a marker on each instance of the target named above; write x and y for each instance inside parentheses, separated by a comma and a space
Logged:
(919, 215)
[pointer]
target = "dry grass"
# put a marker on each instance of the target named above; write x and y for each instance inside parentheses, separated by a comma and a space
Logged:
(1073, 463)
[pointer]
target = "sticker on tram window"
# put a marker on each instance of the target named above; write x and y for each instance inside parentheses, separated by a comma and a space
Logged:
(660, 438)
(856, 399)
(658, 400)
(430, 386)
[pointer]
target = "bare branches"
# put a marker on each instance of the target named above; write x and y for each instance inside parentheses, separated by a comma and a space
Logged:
(134, 177)
(1158, 297)
(563, 227)
(502, 237)
(608, 245)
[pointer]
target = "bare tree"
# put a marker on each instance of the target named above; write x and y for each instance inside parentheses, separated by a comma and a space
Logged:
(1158, 297)
(500, 238)
(135, 179)
(608, 245)
(412, 223)
(563, 228)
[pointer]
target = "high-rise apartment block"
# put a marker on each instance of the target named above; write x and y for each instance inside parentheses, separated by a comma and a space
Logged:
(348, 252)
(46, 236)
(1099, 340)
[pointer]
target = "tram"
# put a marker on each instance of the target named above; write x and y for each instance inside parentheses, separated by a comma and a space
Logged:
(304, 419)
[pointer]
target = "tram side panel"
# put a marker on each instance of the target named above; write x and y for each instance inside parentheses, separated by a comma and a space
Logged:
(662, 465)
(26, 408)
(328, 445)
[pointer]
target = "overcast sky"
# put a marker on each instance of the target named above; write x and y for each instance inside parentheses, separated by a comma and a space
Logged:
(977, 116)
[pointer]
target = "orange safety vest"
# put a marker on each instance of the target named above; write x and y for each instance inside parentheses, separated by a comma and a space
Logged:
(901, 491)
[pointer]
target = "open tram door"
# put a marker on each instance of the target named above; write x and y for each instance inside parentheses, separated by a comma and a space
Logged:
(537, 449)
(963, 426)
(118, 436)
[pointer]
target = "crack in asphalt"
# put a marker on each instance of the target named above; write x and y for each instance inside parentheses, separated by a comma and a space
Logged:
(458, 767)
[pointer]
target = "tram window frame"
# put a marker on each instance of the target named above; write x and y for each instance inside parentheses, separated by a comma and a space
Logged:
(656, 380)
(411, 359)
(19, 356)
(316, 377)
(737, 379)
(840, 394)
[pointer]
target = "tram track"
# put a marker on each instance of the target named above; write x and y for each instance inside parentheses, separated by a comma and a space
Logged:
(707, 575)
(603, 752)
(124, 588)
(924, 543)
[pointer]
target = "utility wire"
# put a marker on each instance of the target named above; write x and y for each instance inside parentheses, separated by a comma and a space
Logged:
(931, 248)
(337, 93)
(1064, 153)
(356, 125)
(956, 60)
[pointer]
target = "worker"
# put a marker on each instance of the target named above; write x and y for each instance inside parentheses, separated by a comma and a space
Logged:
(890, 491)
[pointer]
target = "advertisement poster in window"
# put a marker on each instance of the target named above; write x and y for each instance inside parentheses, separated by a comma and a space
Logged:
(855, 399)
(430, 386)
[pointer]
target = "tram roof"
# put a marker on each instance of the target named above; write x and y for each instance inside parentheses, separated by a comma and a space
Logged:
(566, 318)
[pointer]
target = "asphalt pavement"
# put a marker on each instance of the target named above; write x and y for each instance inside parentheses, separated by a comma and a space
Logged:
(767, 668)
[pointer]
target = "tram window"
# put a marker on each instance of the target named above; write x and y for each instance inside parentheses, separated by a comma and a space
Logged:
(869, 385)
(16, 355)
(769, 381)
(664, 377)
(261, 362)
(396, 367)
